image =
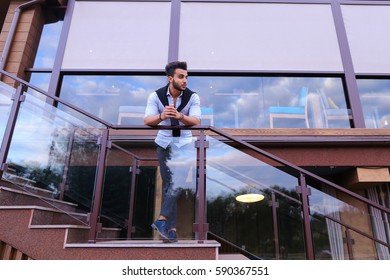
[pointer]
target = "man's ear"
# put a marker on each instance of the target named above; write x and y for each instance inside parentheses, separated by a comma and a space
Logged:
(170, 79)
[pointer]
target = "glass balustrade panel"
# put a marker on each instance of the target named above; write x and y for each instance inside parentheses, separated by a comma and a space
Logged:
(340, 211)
(334, 241)
(51, 153)
(6, 93)
(133, 190)
(248, 228)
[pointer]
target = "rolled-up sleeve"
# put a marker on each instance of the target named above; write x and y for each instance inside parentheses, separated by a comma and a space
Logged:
(195, 110)
(152, 105)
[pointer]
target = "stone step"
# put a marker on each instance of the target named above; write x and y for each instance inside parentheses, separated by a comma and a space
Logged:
(12, 197)
(15, 184)
(67, 242)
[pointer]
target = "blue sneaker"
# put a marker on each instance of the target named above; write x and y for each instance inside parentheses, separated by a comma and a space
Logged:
(161, 227)
(172, 236)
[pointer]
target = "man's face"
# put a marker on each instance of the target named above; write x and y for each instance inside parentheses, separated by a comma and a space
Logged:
(179, 79)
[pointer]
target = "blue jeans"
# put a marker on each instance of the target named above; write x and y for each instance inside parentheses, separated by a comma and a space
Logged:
(173, 173)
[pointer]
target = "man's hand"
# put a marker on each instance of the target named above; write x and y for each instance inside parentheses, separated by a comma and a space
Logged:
(170, 112)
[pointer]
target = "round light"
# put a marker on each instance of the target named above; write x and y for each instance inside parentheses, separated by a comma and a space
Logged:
(250, 197)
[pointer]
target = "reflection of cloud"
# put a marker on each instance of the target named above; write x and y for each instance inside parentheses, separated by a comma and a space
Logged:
(373, 85)
(237, 107)
(20, 152)
(243, 103)
(236, 169)
(48, 45)
(114, 91)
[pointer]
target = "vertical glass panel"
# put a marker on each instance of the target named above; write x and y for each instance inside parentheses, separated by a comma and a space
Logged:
(40, 80)
(118, 35)
(328, 239)
(78, 182)
(116, 99)
(334, 241)
(6, 93)
(368, 38)
(279, 102)
(291, 236)
(46, 147)
(345, 221)
(48, 45)
(259, 36)
(250, 229)
(380, 193)
(133, 191)
(375, 99)
(122, 184)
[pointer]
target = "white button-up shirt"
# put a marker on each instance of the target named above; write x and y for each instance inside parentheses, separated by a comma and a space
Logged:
(164, 137)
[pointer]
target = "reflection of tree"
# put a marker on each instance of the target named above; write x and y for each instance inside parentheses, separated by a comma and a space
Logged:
(250, 226)
(40, 176)
(82, 168)
(47, 175)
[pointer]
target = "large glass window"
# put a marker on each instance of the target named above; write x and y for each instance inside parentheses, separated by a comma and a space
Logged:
(262, 102)
(375, 99)
(45, 56)
(226, 101)
(48, 45)
(116, 99)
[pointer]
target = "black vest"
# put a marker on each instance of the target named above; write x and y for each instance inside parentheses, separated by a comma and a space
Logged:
(162, 95)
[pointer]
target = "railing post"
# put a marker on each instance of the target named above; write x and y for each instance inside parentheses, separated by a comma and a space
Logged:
(304, 192)
(200, 226)
(98, 193)
(134, 172)
(18, 98)
(63, 186)
(275, 205)
(350, 242)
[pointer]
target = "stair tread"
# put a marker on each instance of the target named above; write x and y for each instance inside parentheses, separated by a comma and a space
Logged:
(146, 244)
(36, 196)
(36, 207)
(58, 226)
(31, 187)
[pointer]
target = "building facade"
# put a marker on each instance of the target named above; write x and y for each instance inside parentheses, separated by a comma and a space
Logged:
(295, 93)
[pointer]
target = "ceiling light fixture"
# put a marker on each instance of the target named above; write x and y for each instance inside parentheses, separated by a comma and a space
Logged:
(250, 197)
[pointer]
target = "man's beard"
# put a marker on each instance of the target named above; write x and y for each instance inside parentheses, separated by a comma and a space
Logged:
(176, 86)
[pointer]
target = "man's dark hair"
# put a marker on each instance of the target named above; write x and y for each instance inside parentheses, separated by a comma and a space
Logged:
(172, 66)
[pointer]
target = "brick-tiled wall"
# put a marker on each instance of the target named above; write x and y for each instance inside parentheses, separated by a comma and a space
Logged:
(25, 41)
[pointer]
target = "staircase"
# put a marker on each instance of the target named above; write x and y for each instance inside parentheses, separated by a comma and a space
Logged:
(35, 226)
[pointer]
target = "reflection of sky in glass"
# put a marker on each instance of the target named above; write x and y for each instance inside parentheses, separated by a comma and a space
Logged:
(243, 102)
(182, 165)
(104, 95)
(48, 45)
(233, 170)
(5, 106)
(236, 102)
(324, 204)
(40, 126)
(375, 99)
(45, 56)
(328, 205)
